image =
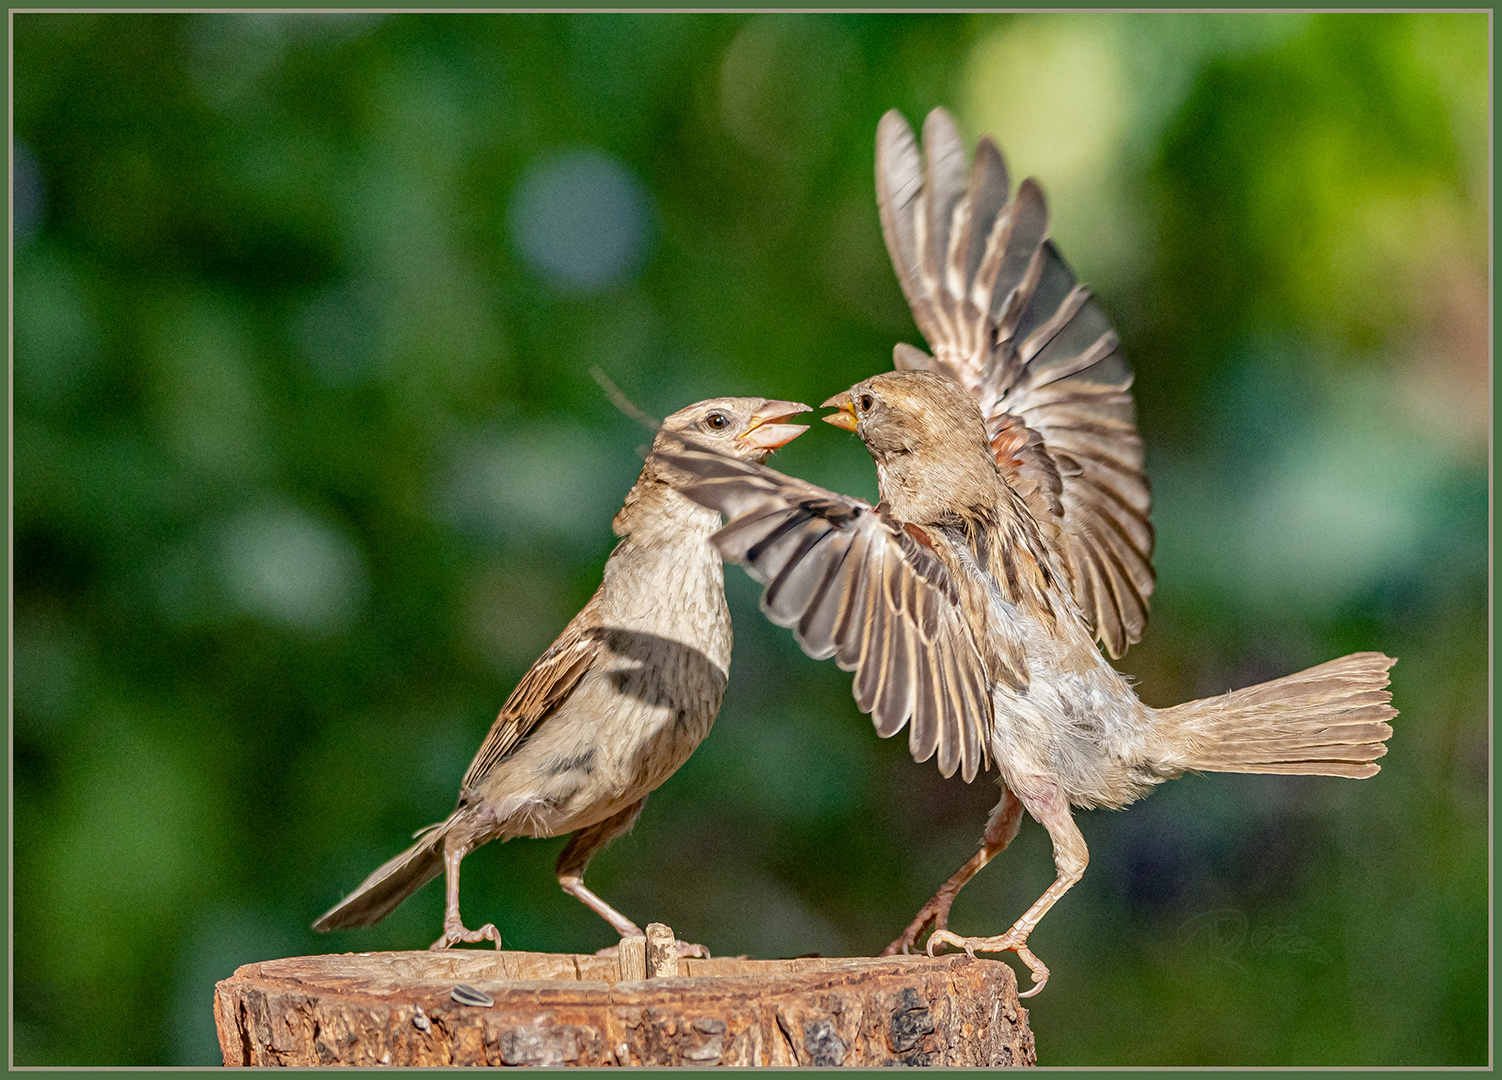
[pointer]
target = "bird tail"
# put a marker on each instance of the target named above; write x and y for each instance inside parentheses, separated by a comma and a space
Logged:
(1330, 720)
(394, 881)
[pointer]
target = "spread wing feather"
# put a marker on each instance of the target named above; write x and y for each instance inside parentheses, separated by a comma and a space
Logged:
(1004, 316)
(854, 585)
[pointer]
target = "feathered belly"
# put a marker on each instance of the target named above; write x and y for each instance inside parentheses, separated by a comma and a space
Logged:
(1077, 724)
(645, 705)
(671, 698)
(628, 727)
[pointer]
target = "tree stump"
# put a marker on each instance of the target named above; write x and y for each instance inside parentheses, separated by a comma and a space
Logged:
(478, 1007)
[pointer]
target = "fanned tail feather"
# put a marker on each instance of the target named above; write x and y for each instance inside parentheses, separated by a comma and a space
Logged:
(393, 881)
(1330, 720)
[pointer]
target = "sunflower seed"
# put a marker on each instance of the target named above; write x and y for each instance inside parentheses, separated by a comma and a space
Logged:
(468, 995)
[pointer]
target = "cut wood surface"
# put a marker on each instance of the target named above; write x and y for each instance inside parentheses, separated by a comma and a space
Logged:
(483, 1007)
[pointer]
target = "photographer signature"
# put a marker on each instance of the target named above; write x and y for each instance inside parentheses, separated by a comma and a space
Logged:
(1224, 931)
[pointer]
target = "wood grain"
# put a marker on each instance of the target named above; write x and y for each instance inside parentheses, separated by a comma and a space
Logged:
(562, 1009)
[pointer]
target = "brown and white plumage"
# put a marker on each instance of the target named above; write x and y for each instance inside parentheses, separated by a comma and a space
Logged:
(955, 548)
(614, 706)
(1005, 318)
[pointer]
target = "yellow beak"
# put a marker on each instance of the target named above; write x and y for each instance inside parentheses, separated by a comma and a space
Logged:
(845, 418)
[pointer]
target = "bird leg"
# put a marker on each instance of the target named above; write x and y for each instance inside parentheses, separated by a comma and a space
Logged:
(575, 856)
(454, 850)
(1000, 830)
(1050, 807)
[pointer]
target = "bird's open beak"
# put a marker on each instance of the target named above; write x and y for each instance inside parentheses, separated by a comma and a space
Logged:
(765, 433)
(845, 418)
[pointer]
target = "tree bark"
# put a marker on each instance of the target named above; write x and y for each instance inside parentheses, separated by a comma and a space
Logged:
(403, 1008)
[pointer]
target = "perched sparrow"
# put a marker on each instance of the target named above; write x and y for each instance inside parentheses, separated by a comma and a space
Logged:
(615, 705)
(1011, 534)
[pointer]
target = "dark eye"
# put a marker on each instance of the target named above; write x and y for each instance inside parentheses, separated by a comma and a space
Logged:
(866, 402)
(716, 421)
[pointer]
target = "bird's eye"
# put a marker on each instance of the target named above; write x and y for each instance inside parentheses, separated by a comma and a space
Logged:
(866, 402)
(716, 421)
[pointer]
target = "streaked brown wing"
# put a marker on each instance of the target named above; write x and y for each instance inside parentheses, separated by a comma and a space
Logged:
(852, 584)
(541, 690)
(1005, 317)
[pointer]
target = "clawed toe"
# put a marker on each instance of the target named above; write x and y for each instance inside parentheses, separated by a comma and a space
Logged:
(901, 945)
(931, 913)
(1005, 943)
(905, 943)
(944, 937)
(453, 935)
(1036, 968)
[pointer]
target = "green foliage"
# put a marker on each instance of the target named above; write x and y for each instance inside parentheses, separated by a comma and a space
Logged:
(309, 468)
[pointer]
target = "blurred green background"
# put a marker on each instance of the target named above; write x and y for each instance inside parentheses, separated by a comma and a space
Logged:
(309, 468)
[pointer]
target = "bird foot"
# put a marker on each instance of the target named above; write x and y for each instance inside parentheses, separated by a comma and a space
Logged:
(934, 912)
(454, 933)
(1008, 942)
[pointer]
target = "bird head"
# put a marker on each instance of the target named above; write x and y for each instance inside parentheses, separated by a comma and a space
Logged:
(744, 427)
(924, 432)
(908, 412)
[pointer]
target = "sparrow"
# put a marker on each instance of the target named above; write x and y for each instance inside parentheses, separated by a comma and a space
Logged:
(613, 707)
(1010, 538)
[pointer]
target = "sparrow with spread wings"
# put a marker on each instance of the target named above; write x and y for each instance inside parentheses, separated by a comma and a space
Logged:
(1011, 536)
(615, 706)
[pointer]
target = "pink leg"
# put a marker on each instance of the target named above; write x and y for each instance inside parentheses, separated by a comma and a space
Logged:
(454, 932)
(575, 856)
(1000, 830)
(1049, 806)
